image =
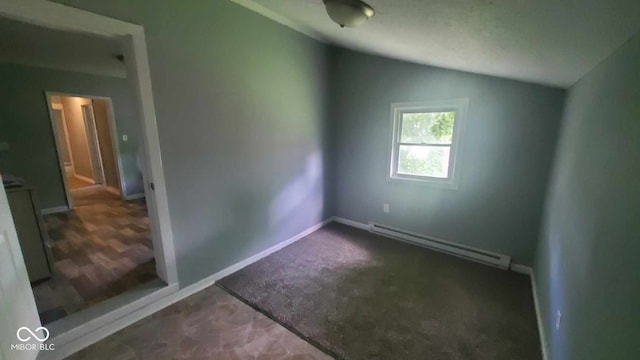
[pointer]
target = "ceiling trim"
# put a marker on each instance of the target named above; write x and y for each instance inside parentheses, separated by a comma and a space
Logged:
(88, 70)
(255, 7)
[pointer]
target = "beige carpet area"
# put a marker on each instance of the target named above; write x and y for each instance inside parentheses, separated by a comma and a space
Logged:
(210, 324)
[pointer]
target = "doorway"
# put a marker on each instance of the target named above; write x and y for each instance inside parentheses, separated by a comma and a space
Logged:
(100, 246)
(40, 26)
(86, 140)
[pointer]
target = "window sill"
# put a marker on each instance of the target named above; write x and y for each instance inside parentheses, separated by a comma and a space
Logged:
(428, 182)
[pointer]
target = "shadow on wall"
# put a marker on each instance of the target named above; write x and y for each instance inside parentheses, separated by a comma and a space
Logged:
(258, 221)
(587, 259)
(297, 193)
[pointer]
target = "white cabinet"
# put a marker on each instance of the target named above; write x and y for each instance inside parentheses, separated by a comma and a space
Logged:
(32, 235)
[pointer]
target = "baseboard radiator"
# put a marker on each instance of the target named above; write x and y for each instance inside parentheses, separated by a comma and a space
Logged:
(467, 252)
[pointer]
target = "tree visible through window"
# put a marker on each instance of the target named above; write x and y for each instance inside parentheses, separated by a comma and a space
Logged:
(424, 141)
(425, 144)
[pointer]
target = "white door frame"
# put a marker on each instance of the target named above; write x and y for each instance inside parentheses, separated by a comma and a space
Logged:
(93, 143)
(115, 144)
(57, 106)
(17, 304)
(51, 107)
(61, 17)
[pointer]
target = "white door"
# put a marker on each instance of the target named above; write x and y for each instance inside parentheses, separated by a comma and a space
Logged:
(17, 306)
(61, 136)
(65, 158)
(92, 141)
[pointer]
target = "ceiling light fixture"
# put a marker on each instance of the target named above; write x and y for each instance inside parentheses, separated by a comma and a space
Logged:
(349, 13)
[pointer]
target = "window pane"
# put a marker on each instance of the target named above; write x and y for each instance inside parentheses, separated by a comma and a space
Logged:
(431, 128)
(430, 161)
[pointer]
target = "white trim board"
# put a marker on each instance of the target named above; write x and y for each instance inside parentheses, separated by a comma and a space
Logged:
(70, 164)
(351, 223)
(248, 261)
(482, 256)
(84, 178)
(505, 260)
(112, 190)
(115, 142)
(527, 270)
(54, 210)
(134, 196)
(257, 8)
(521, 269)
(541, 330)
(120, 322)
(58, 147)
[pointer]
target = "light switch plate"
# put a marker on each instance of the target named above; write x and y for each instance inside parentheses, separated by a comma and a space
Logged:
(4, 146)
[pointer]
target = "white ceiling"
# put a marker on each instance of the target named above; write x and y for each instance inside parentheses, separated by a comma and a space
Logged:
(27, 44)
(551, 42)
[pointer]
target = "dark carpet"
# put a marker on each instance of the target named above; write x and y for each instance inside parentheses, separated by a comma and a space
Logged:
(356, 295)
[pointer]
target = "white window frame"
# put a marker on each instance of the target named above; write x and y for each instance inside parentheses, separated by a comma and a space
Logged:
(460, 107)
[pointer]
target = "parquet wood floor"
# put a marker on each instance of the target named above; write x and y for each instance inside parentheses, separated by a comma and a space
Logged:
(101, 249)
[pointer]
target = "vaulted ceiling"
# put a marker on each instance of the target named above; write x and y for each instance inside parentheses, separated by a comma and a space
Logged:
(552, 42)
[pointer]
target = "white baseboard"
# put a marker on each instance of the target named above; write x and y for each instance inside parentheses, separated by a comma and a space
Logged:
(541, 329)
(113, 190)
(528, 270)
(120, 323)
(69, 170)
(351, 223)
(486, 257)
(248, 261)
(134, 196)
(84, 178)
(522, 269)
(502, 264)
(53, 210)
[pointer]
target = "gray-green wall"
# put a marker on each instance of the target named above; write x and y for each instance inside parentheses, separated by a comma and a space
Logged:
(508, 146)
(25, 125)
(240, 104)
(587, 260)
(256, 121)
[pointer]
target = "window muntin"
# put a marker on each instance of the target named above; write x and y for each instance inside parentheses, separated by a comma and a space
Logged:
(417, 160)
